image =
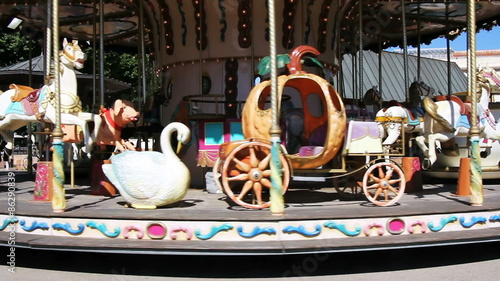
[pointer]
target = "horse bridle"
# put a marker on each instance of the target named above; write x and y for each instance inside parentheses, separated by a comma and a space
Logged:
(69, 56)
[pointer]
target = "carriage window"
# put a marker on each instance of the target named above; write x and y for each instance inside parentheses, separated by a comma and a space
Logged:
(315, 105)
(265, 99)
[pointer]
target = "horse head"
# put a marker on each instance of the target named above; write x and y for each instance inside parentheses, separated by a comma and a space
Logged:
(72, 55)
(418, 90)
(487, 77)
(372, 96)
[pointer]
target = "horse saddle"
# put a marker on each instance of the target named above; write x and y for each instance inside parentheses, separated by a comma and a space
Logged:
(28, 98)
(414, 114)
(20, 92)
(464, 107)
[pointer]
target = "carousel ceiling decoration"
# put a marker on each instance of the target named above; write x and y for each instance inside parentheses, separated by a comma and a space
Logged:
(288, 29)
(167, 27)
(308, 21)
(245, 24)
(200, 17)
(326, 24)
(180, 6)
(323, 24)
(222, 21)
(231, 90)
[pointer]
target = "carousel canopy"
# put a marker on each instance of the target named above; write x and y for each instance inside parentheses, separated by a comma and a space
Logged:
(177, 31)
(433, 73)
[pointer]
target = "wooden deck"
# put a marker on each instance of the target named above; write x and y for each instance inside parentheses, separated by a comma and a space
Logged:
(315, 220)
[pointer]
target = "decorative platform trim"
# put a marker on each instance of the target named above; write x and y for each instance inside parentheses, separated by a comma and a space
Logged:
(256, 231)
(342, 228)
(34, 225)
(176, 229)
(302, 230)
(245, 231)
(7, 221)
(67, 227)
(472, 221)
(213, 231)
(377, 226)
(411, 227)
(395, 226)
(104, 229)
(444, 222)
(129, 228)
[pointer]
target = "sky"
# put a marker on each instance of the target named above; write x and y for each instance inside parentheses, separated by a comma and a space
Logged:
(485, 40)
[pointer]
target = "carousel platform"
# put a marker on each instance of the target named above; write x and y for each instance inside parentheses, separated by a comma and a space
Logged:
(315, 220)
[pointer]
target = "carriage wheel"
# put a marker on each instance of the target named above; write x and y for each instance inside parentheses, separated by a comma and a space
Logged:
(246, 174)
(384, 183)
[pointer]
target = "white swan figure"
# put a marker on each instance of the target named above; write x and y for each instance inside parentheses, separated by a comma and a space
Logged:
(150, 179)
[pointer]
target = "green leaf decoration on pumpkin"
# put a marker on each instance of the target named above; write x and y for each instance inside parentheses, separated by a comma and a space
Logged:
(265, 63)
(308, 61)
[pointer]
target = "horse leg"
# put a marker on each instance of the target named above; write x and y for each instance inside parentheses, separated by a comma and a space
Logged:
(8, 138)
(75, 120)
(91, 117)
(393, 132)
(381, 130)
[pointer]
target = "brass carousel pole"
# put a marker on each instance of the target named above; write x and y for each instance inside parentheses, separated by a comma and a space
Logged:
(101, 53)
(419, 48)
(405, 48)
(476, 185)
(30, 83)
(142, 55)
(361, 55)
(277, 202)
(46, 63)
(58, 198)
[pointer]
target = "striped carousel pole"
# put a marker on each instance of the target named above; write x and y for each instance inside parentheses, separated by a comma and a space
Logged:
(277, 202)
(58, 198)
(476, 184)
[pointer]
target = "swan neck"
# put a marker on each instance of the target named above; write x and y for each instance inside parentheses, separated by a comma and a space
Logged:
(166, 146)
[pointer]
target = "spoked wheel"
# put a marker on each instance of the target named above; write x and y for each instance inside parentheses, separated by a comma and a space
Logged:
(384, 183)
(246, 174)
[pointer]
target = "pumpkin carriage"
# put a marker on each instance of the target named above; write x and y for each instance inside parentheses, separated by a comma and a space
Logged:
(329, 143)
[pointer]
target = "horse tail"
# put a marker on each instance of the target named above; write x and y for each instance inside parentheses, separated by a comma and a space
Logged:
(431, 108)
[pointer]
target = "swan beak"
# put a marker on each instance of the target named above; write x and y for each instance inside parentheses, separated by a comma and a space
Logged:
(180, 145)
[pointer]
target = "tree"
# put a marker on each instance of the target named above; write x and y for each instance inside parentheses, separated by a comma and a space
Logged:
(15, 47)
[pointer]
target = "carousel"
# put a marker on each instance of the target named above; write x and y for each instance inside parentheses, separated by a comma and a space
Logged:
(276, 152)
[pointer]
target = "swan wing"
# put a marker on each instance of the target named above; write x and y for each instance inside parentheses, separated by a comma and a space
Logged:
(141, 174)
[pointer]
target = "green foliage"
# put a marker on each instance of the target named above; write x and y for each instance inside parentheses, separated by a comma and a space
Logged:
(120, 66)
(15, 48)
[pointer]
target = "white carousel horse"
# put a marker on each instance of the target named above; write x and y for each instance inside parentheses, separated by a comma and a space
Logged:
(448, 118)
(21, 105)
(410, 117)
